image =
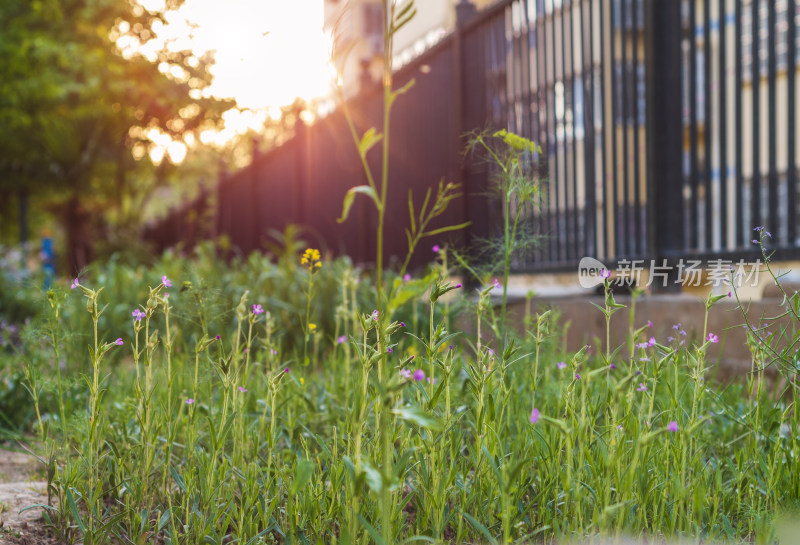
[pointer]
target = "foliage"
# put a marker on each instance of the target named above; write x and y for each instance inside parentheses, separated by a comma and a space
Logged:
(72, 107)
(214, 439)
(513, 160)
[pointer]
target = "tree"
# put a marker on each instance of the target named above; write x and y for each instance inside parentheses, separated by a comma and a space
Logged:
(73, 104)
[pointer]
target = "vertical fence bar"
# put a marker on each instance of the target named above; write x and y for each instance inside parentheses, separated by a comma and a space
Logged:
(737, 89)
(603, 138)
(708, 125)
(772, 158)
(664, 128)
(638, 206)
(613, 174)
(590, 204)
(576, 238)
(563, 182)
(506, 43)
(693, 137)
(723, 127)
(755, 72)
(544, 107)
(554, 182)
(525, 63)
(791, 75)
(624, 81)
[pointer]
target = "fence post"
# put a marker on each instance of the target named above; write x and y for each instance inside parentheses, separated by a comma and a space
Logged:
(471, 115)
(664, 133)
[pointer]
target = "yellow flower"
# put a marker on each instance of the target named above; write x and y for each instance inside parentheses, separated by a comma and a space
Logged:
(302, 381)
(311, 259)
(312, 327)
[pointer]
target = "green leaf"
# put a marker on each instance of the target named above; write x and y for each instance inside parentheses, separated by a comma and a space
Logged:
(74, 509)
(178, 479)
(163, 519)
(418, 416)
(480, 527)
(401, 21)
(302, 475)
(350, 196)
(447, 229)
(371, 530)
(370, 138)
(374, 477)
(401, 91)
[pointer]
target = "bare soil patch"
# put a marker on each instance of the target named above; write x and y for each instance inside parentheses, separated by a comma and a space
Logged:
(20, 486)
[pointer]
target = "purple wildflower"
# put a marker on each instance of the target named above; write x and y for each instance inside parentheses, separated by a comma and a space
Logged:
(612, 366)
(672, 426)
(561, 365)
(419, 375)
(166, 281)
(341, 339)
(257, 309)
(189, 401)
(677, 326)
(402, 324)
(605, 273)
(405, 373)
(242, 389)
(436, 248)
(577, 376)
(375, 315)
(389, 350)
(650, 323)
(712, 338)
(75, 284)
(651, 341)
(642, 387)
(137, 314)
(534, 415)
(406, 277)
(119, 342)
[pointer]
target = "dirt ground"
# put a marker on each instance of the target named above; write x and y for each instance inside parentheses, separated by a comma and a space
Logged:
(21, 486)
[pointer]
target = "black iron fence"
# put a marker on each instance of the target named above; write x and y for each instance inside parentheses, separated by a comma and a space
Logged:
(667, 129)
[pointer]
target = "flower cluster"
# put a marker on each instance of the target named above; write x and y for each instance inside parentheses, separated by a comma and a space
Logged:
(311, 259)
(648, 344)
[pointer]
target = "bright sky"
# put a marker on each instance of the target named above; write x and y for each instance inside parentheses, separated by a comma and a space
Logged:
(267, 52)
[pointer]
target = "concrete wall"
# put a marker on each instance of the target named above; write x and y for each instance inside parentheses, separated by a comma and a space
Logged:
(584, 324)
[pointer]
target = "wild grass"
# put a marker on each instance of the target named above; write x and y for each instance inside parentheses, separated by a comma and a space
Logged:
(216, 434)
